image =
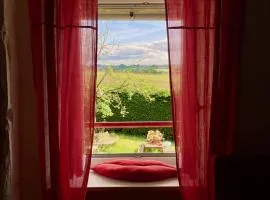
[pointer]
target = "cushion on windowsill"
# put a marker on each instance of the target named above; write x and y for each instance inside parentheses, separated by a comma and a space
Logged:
(135, 170)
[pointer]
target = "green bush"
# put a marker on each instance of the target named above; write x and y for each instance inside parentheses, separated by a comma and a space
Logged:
(141, 105)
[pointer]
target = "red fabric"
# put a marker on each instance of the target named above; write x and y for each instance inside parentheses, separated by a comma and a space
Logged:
(225, 76)
(64, 35)
(136, 170)
(199, 45)
(191, 34)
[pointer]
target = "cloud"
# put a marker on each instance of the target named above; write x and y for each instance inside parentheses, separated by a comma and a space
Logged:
(138, 53)
(130, 31)
(136, 42)
(138, 34)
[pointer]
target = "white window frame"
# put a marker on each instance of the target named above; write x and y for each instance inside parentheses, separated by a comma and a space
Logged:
(110, 5)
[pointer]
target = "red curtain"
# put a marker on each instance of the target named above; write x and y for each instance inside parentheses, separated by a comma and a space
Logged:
(64, 43)
(204, 57)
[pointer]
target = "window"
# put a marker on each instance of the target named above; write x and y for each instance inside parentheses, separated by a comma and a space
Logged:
(133, 105)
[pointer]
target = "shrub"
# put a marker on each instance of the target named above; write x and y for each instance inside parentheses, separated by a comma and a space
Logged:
(141, 105)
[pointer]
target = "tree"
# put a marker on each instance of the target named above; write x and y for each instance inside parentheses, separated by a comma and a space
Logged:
(109, 97)
(107, 42)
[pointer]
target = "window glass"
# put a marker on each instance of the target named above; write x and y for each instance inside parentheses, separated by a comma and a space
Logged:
(133, 73)
(133, 86)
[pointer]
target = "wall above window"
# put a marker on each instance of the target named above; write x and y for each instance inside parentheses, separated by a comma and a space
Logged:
(130, 1)
(133, 9)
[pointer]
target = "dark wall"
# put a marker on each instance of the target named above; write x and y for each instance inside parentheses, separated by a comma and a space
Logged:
(253, 120)
(134, 193)
(4, 131)
(24, 167)
(246, 175)
(242, 178)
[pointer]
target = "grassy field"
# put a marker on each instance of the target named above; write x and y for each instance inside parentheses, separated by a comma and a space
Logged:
(127, 144)
(135, 80)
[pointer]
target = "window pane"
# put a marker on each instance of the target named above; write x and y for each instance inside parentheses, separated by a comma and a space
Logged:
(133, 74)
(133, 140)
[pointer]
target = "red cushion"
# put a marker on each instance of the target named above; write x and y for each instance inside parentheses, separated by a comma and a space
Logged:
(136, 170)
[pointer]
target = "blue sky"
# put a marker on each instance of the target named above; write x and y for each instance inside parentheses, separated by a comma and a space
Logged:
(133, 42)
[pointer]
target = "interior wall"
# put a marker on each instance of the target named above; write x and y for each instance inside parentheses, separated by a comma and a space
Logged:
(253, 120)
(12, 62)
(4, 128)
(26, 182)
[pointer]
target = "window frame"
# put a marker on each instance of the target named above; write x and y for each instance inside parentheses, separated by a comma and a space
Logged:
(120, 9)
(133, 124)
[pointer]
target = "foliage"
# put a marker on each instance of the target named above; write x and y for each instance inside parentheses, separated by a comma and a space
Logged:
(107, 98)
(130, 97)
(141, 106)
(154, 137)
(106, 102)
(145, 69)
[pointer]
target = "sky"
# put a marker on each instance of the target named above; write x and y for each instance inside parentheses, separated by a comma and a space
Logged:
(133, 42)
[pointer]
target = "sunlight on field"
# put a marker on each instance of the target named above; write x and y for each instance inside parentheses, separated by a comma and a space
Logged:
(125, 144)
(157, 81)
(128, 144)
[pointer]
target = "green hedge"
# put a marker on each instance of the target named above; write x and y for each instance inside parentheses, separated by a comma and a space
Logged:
(142, 106)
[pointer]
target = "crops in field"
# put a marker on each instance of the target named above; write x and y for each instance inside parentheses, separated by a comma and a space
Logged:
(136, 81)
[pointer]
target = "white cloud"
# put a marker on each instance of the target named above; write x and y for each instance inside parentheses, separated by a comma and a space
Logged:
(138, 53)
(141, 43)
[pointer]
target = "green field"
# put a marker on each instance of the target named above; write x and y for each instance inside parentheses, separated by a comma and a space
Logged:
(125, 144)
(135, 80)
(128, 144)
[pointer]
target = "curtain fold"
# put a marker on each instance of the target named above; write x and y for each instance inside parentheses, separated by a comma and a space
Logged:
(231, 26)
(64, 44)
(204, 56)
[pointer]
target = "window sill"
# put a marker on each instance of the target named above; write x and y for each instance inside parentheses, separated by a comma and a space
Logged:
(96, 181)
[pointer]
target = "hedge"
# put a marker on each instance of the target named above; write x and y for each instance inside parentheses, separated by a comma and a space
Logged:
(142, 106)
